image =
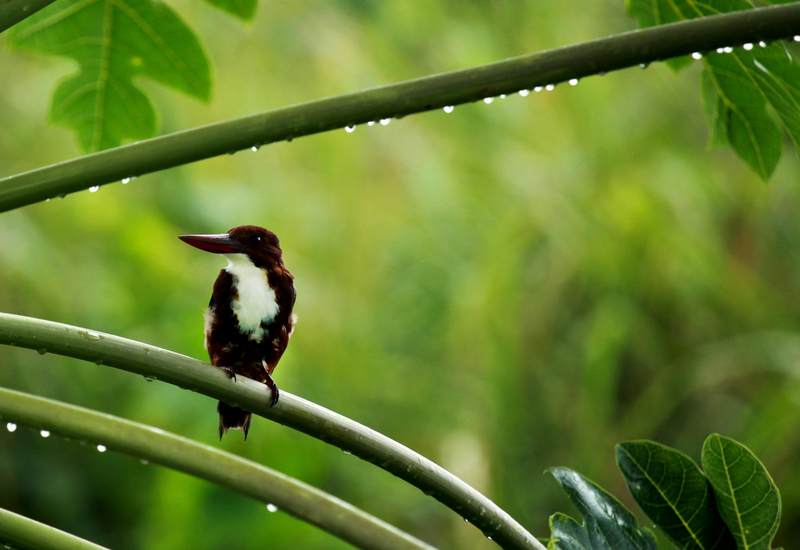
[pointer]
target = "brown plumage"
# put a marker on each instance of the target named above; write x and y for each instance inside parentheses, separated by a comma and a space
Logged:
(249, 318)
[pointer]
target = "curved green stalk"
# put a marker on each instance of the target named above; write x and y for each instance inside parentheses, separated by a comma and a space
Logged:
(295, 412)
(14, 11)
(25, 533)
(228, 470)
(397, 100)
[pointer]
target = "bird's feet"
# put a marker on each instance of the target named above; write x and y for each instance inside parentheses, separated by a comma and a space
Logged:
(229, 372)
(273, 388)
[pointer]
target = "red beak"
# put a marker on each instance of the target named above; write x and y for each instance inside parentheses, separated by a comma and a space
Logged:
(218, 244)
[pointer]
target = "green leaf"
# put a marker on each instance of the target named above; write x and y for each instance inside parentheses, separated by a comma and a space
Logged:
(748, 499)
(567, 534)
(742, 90)
(243, 9)
(607, 524)
(674, 493)
(114, 41)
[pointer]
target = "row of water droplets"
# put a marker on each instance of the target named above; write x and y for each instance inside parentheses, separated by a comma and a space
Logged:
(697, 56)
(11, 427)
(350, 128)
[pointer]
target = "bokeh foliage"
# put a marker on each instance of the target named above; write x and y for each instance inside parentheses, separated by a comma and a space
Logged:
(503, 288)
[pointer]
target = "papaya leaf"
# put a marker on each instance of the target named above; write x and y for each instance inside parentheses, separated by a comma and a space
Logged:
(114, 41)
(746, 495)
(243, 9)
(567, 534)
(672, 490)
(607, 524)
(742, 87)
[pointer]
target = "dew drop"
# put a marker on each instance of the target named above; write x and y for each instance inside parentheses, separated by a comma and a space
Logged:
(254, 148)
(345, 451)
(537, 89)
(762, 44)
(573, 81)
(748, 46)
(502, 96)
(371, 123)
(271, 508)
(93, 335)
(488, 100)
(550, 87)
(466, 520)
(125, 181)
(44, 433)
(644, 65)
(47, 200)
(350, 129)
(796, 38)
(101, 448)
(11, 427)
(448, 109)
(728, 49)
(94, 189)
(697, 56)
(144, 462)
(489, 537)
(524, 93)
(720, 50)
(385, 121)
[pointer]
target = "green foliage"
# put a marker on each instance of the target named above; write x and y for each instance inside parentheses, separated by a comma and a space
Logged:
(607, 524)
(739, 87)
(733, 504)
(244, 9)
(673, 491)
(748, 499)
(114, 41)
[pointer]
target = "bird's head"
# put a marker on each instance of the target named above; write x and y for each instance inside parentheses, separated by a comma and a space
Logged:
(260, 245)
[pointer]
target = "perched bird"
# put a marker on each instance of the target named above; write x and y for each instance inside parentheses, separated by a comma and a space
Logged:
(249, 318)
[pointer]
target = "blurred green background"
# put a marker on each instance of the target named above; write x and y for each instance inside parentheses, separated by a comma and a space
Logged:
(503, 289)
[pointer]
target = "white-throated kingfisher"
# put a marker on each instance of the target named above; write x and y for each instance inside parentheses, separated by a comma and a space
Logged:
(249, 318)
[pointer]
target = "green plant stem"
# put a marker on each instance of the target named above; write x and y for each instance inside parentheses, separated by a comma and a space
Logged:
(290, 495)
(14, 11)
(397, 100)
(25, 533)
(295, 412)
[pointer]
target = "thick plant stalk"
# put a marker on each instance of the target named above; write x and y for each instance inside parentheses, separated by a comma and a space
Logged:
(397, 100)
(14, 11)
(244, 476)
(25, 533)
(295, 412)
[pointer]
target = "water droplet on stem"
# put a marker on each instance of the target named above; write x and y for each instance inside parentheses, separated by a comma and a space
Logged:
(11, 427)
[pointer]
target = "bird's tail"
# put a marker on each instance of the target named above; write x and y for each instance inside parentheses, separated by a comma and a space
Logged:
(232, 418)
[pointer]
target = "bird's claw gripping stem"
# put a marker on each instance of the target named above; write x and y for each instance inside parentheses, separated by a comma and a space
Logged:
(229, 373)
(274, 389)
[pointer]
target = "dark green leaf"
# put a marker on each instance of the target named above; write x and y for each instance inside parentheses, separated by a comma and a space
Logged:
(748, 499)
(567, 534)
(244, 9)
(607, 524)
(740, 87)
(674, 493)
(114, 41)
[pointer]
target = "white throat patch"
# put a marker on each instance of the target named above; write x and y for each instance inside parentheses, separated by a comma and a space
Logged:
(256, 301)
